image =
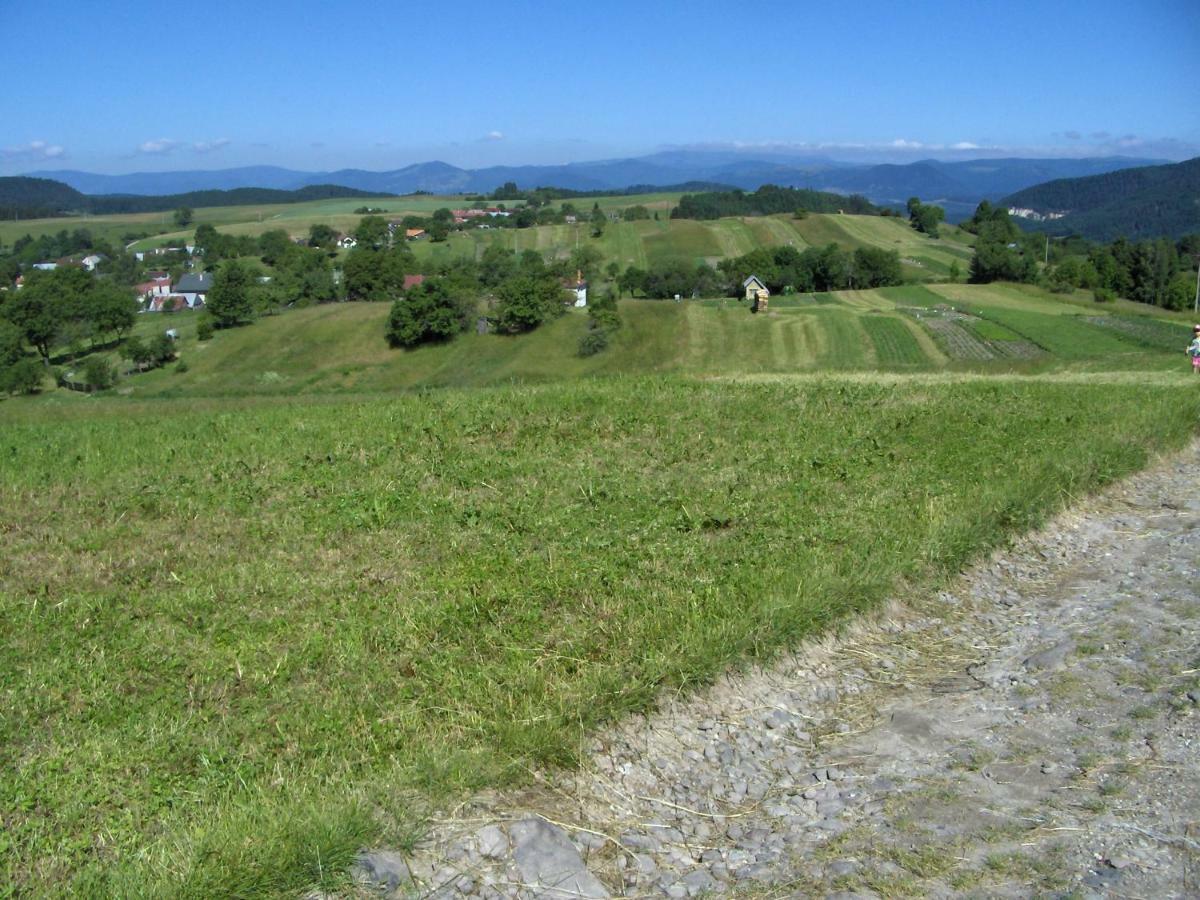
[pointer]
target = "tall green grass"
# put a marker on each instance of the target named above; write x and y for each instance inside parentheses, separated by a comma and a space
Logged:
(234, 628)
(894, 342)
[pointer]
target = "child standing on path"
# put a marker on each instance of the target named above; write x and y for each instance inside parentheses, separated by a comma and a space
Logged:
(1193, 349)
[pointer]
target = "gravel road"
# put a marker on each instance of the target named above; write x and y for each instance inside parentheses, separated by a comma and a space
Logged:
(1030, 730)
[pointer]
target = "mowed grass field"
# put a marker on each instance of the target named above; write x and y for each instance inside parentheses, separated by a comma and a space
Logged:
(295, 218)
(341, 347)
(643, 243)
(244, 637)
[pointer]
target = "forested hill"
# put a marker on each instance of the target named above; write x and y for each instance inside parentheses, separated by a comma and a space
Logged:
(30, 198)
(1146, 202)
(766, 200)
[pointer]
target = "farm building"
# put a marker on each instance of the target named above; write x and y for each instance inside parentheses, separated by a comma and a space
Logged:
(578, 289)
(193, 288)
(756, 293)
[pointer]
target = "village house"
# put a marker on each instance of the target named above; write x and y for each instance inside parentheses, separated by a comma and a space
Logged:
(158, 285)
(411, 281)
(347, 242)
(578, 289)
(92, 260)
(414, 234)
(756, 293)
(193, 287)
(168, 303)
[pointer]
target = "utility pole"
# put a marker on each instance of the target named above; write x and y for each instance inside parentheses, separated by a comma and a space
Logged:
(1196, 304)
(1046, 261)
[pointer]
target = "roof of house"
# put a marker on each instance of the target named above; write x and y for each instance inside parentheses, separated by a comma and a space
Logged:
(413, 280)
(753, 279)
(414, 232)
(194, 283)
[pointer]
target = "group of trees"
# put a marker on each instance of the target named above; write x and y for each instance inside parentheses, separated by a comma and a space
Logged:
(68, 304)
(1160, 272)
(519, 292)
(1002, 251)
(829, 268)
(925, 217)
(767, 200)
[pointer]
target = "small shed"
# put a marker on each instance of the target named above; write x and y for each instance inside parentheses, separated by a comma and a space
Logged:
(756, 293)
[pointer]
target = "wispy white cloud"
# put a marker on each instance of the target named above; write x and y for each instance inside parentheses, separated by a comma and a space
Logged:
(159, 146)
(965, 145)
(903, 144)
(494, 136)
(210, 146)
(34, 150)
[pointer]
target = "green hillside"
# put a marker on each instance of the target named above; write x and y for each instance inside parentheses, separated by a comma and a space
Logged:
(1145, 202)
(246, 637)
(646, 242)
(341, 347)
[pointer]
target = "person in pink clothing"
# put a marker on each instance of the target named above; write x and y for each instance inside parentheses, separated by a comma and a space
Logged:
(1193, 349)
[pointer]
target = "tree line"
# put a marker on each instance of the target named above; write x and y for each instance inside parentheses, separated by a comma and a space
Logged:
(767, 200)
(1159, 272)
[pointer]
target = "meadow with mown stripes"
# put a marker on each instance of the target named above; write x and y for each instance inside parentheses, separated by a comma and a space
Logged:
(291, 594)
(246, 636)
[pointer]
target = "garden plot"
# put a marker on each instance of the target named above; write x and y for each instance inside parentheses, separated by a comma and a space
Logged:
(1156, 333)
(966, 337)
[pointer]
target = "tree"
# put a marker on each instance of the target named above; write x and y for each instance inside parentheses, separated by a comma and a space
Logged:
(229, 302)
(321, 235)
(925, 218)
(495, 265)
(875, 267)
(98, 373)
(599, 221)
(184, 216)
(46, 304)
(273, 245)
(376, 275)
(11, 344)
(372, 232)
(22, 377)
(111, 307)
(525, 301)
(431, 312)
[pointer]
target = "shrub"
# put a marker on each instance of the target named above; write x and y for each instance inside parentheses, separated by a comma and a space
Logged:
(181, 367)
(1103, 295)
(98, 373)
(593, 342)
(204, 329)
(22, 377)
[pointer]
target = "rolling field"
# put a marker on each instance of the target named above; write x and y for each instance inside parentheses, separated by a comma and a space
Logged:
(245, 637)
(646, 242)
(340, 348)
(637, 243)
(283, 604)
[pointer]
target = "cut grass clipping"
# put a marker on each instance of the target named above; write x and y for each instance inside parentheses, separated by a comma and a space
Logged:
(243, 639)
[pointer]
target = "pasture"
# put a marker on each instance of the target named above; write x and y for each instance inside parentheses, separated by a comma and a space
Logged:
(340, 348)
(246, 636)
(643, 243)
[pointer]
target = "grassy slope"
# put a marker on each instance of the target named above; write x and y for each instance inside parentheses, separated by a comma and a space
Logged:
(341, 348)
(232, 627)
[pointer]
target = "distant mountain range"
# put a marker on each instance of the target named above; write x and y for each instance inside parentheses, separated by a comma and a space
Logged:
(23, 197)
(958, 186)
(1152, 201)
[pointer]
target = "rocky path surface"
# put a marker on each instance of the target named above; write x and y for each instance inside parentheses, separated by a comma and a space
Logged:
(1030, 731)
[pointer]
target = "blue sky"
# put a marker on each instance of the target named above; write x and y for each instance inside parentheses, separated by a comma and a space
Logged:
(139, 86)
